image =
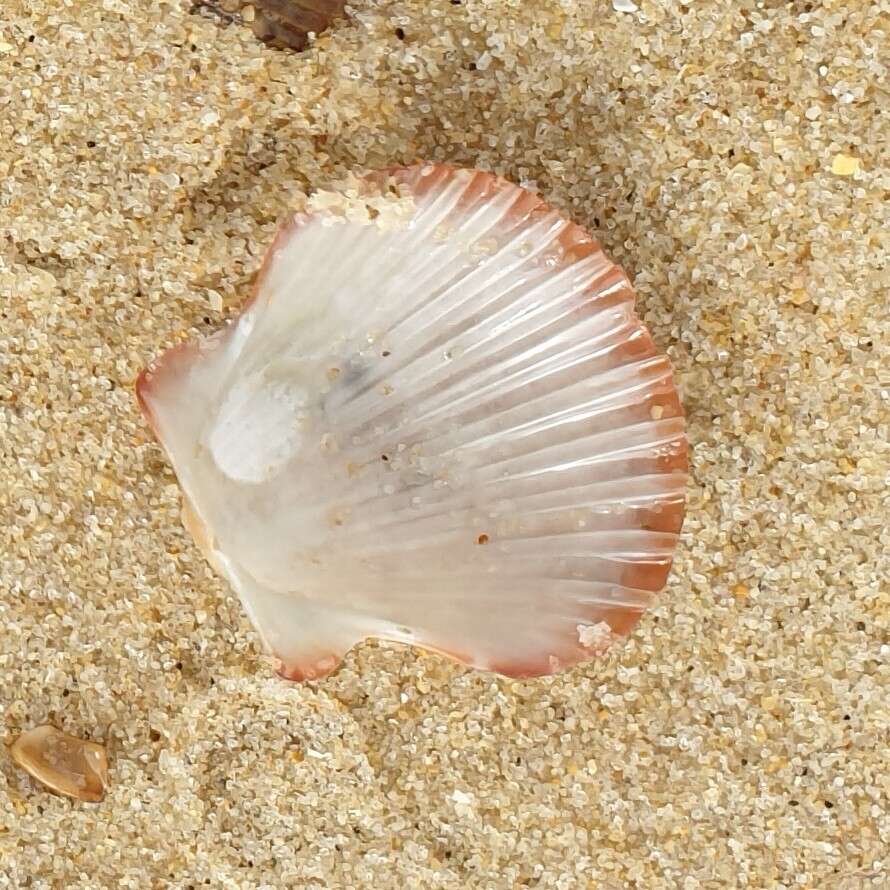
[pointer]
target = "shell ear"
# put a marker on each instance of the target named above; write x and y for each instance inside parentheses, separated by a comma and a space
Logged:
(308, 640)
(438, 421)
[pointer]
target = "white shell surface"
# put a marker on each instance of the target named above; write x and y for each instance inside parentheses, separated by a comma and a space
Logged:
(452, 432)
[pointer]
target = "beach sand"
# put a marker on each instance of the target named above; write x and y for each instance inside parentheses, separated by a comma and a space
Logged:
(733, 157)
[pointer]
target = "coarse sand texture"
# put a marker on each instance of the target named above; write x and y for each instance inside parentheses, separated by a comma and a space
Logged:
(733, 159)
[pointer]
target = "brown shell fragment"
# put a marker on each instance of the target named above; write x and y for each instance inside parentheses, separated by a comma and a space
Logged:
(64, 763)
(288, 23)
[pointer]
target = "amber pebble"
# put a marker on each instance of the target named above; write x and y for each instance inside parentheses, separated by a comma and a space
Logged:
(64, 763)
(287, 23)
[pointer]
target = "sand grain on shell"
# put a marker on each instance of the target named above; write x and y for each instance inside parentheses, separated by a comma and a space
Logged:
(730, 156)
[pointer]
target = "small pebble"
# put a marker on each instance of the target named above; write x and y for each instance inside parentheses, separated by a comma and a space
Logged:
(64, 763)
(845, 165)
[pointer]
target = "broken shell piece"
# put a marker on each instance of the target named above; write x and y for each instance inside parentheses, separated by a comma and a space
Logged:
(64, 763)
(495, 472)
(288, 23)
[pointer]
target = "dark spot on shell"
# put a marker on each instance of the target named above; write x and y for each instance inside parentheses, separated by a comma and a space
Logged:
(482, 539)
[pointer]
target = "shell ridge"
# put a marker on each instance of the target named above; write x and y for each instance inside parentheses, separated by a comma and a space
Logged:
(521, 378)
(534, 454)
(404, 368)
(564, 421)
(538, 485)
(573, 590)
(508, 488)
(577, 411)
(362, 493)
(582, 320)
(457, 247)
(512, 295)
(624, 543)
(398, 278)
(620, 453)
(659, 489)
(473, 385)
(423, 347)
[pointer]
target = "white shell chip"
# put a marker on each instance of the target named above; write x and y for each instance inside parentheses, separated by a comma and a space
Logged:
(438, 421)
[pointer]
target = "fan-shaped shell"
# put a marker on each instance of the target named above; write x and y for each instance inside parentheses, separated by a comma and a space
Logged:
(451, 431)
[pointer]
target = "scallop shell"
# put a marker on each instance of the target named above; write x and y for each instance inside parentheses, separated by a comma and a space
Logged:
(438, 421)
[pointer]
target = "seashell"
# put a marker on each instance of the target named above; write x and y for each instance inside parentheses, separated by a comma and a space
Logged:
(64, 763)
(280, 23)
(438, 421)
(288, 23)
